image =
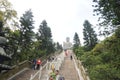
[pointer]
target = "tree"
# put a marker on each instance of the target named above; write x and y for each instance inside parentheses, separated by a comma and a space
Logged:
(14, 41)
(90, 38)
(7, 14)
(103, 61)
(76, 40)
(58, 46)
(26, 30)
(44, 34)
(109, 12)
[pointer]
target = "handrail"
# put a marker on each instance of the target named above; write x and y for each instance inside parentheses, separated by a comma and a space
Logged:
(82, 70)
(86, 77)
(33, 76)
(78, 71)
(39, 72)
(47, 65)
(19, 63)
(57, 62)
(17, 74)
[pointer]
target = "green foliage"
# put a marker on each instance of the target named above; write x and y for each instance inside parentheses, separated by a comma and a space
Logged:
(76, 41)
(26, 32)
(58, 46)
(90, 38)
(90, 60)
(7, 14)
(117, 32)
(23, 44)
(12, 45)
(109, 14)
(102, 62)
(44, 34)
(109, 10)
(79, 51)
(104, 72)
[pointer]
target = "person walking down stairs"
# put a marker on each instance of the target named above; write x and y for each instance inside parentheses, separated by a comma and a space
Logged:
(38, 64)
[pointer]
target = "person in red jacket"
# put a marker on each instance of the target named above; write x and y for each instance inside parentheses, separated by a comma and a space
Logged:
(38, 64)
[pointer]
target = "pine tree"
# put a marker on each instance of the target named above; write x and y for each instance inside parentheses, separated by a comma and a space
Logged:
(90, 37)
(44, 34)
(58, 46)
(26, 29)
(76, 42)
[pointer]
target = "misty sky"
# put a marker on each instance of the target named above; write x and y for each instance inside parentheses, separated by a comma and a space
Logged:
(64, 17)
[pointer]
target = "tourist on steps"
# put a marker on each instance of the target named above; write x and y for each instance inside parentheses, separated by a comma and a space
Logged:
(38, 64)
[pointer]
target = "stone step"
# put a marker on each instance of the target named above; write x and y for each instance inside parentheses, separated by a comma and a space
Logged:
(68, 70)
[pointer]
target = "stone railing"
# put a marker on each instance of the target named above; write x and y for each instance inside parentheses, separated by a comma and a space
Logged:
(37, 75)
(81, 70)
(56, 63)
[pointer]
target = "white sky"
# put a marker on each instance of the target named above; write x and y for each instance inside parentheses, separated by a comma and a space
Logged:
(64, 17)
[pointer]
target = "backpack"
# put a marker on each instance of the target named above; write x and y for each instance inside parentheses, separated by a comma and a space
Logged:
(61, 78)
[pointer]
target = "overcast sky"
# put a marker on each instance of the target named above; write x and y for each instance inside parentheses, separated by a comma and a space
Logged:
(64, 17)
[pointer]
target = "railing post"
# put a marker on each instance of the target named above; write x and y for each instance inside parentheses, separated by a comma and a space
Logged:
(31, 77)
(47, 65)
(40, 72)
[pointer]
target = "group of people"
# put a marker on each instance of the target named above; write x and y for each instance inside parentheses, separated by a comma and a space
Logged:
(68, 53)
(36, 64)
(54, 75)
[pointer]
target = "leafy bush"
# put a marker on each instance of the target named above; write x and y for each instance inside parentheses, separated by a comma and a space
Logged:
(102, 62)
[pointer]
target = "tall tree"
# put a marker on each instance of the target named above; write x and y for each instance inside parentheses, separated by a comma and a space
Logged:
(45, 35)
(76, 40)
(58, 46)
(109, 12)
(7, 14)
(26, 29)
(90, 37)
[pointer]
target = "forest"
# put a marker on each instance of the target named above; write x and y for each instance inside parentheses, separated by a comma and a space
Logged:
(101, 58)
(23, 43)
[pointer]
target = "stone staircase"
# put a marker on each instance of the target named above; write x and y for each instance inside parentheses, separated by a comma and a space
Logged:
(68, 70)
(44, 75)
(25, 75)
